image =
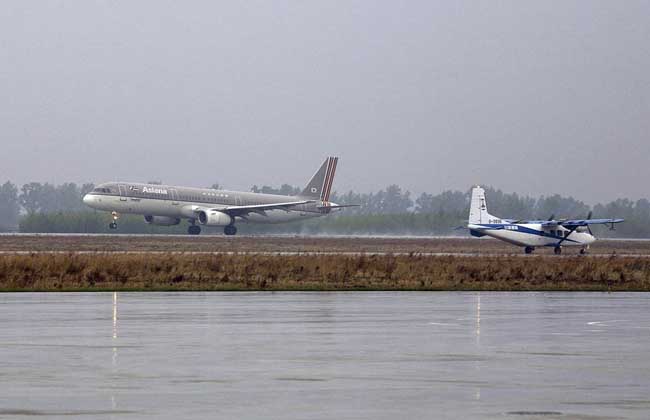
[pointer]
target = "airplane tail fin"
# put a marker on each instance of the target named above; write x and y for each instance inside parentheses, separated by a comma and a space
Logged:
(319, 186)
(478, 213)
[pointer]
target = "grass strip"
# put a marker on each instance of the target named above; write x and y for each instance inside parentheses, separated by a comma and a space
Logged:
(249, 272)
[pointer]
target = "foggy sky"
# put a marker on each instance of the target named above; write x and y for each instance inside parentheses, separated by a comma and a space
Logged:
(534, 97)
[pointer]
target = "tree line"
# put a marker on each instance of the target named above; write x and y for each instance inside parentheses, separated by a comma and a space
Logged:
(45, 207)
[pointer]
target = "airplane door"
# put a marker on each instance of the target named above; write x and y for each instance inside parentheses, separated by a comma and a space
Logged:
(122, 192)
(174, 197)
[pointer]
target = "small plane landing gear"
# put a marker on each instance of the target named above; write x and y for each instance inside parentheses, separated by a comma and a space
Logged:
(529, 250)
(113, 224)
(230, 230)
(583, 251)
(558, 250)
(194, 230)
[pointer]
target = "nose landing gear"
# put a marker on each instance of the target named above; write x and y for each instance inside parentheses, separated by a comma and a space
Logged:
(529, 250)
(113, 224)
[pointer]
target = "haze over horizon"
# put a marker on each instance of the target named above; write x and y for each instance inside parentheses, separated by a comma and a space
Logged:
(530, 97)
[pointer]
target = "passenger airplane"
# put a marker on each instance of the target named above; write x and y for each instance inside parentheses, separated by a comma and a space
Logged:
(532, 233)
(167, 205)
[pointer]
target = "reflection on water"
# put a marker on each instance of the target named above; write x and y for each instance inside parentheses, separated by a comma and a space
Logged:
(478, 318)
(114, 359)
(325, 355)
(478, 339)
(114, 315)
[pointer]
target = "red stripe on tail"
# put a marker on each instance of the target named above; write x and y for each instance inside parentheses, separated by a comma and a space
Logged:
(331, 179)
(323, 192)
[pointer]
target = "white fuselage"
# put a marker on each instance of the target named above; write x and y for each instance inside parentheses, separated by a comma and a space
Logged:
(533, 234)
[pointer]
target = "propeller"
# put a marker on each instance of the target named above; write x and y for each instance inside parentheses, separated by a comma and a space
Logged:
(588, 218)
(552, 217)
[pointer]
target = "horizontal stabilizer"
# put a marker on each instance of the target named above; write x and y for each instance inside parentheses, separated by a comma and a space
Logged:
(338, 206)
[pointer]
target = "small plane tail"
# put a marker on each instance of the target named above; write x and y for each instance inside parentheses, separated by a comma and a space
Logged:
(319, 186)
(478, 213)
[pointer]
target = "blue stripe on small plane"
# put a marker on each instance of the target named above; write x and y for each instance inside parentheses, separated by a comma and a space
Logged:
(526, 230)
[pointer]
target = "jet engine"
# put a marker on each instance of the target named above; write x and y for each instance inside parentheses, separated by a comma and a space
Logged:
(214, 218)
(161, 220)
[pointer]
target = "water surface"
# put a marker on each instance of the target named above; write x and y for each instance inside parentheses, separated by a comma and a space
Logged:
(403, 355)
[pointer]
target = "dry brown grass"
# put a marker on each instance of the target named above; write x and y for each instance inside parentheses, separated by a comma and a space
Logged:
(54, 272)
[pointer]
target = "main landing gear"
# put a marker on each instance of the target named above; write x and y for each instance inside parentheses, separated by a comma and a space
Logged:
(113, 224)
(529, 250)
(557, 250)
(194, 229)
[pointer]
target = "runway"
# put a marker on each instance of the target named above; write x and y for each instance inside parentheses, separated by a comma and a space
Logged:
(299, 245)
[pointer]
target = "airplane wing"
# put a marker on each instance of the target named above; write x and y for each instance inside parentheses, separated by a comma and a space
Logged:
(573, 223)
(479, 227)
(587, 222)
(551, 223)
(234, 211)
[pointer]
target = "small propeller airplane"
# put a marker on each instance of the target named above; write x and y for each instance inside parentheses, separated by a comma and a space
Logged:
(532, 233)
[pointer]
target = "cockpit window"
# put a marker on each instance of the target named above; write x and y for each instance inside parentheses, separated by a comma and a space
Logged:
(102, 190)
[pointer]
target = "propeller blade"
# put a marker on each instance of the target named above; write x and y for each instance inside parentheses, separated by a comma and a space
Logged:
(590, 214)
(552, 217)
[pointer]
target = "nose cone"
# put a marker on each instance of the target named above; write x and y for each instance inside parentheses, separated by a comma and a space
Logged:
(88, 199)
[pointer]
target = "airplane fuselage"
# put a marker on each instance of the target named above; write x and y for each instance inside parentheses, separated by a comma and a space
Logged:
(167, 205)
(532, 234)
(184, 202)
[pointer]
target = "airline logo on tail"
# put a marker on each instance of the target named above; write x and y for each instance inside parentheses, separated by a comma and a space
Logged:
(319, 186)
